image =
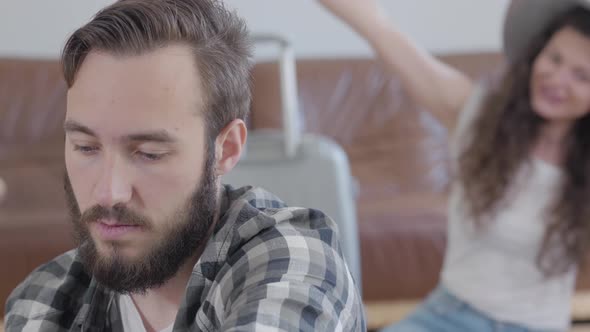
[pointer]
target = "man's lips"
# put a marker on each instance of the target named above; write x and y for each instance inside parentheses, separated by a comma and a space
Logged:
(110, 230)
(113, 222)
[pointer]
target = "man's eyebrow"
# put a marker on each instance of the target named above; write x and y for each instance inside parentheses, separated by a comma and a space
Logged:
(158, 136)
(73, 126)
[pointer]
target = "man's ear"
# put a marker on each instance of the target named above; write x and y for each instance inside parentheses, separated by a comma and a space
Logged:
(229, 145)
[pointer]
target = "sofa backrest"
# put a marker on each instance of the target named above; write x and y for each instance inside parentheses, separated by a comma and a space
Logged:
(397, 152)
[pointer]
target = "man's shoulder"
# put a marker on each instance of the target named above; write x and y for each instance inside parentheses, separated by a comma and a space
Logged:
(260, 207)
(278, 250)
(55, 287)
(264, 222)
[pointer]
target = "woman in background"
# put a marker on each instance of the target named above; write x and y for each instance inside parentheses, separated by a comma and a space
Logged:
(519, 211)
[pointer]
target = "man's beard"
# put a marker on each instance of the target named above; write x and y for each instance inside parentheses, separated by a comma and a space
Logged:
(190, 230)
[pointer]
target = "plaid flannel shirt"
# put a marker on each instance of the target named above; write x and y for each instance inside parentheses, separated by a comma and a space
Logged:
(267, 267)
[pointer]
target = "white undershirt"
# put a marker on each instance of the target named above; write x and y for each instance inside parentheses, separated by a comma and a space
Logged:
(130, 316)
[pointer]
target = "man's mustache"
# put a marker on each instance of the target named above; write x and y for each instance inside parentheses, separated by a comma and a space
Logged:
(119, 213)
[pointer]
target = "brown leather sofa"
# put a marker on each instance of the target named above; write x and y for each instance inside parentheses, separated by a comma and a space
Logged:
(33, 223)
(398, 153)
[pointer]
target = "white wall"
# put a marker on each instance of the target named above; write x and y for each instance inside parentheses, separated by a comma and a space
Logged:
(38, 28)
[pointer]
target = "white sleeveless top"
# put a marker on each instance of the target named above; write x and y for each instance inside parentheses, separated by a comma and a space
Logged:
(494, 268)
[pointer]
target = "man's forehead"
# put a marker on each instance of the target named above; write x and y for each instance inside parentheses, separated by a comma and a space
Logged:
(171, 56)
(169, 70)
(155, 85)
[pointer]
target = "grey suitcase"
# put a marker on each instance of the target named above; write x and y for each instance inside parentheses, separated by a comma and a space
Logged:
(302, 169)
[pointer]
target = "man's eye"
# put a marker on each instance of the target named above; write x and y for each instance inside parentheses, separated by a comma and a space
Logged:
(86, 149)
(150, 156)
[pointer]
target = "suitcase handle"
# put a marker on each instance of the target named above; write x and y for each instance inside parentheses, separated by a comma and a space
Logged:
(288, 80)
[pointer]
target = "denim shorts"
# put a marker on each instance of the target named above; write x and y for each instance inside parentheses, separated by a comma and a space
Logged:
(443, 312)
